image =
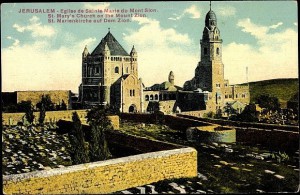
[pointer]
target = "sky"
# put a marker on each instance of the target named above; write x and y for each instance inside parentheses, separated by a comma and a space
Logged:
(39, 55)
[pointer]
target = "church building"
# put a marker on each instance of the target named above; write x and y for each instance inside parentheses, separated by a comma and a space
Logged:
(110, 77)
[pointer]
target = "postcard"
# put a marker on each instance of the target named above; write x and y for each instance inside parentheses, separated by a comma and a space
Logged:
(165, 70)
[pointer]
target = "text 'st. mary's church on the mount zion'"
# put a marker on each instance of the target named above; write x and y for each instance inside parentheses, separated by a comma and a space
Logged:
(110, 76)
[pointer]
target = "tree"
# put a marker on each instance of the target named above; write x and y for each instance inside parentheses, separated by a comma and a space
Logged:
(63, 105)
(46, 102)
(79, 149)
(249, 114)
(29, 114)
(99, 123)
(268, 102)
(42, 115)
(23, 106)
(229, 110)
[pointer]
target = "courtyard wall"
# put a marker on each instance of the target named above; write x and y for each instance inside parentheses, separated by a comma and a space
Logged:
(169, 161)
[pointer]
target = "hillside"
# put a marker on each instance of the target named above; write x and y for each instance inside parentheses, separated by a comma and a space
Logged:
(283, 89)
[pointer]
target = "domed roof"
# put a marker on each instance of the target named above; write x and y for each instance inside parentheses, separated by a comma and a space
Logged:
(210, 16)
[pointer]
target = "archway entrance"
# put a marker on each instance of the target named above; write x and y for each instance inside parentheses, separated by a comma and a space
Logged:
(132, 108)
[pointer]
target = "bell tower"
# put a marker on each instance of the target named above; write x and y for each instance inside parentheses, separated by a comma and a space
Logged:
(209, 74)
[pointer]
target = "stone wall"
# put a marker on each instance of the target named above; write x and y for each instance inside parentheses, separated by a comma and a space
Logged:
(56, 96)
(53, 116)
(272, 139)
(110, 175)
(173, 122)
(167, 106)
(276, 137)
(240, 124)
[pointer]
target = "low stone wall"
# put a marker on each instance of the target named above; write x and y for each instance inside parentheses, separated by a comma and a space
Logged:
(275, 137)
(272, 139)
(110, 175)
(174, 122)
(53, 116)
(243, 124)
(210, 134)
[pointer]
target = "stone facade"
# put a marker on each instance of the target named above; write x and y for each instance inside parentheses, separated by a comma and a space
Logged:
(57, 96)
(110, 76)
(54, 116)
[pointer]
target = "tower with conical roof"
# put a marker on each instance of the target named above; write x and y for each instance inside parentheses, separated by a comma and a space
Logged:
(110, 76)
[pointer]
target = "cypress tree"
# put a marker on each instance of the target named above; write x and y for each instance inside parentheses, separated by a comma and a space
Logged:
(79, 150)
(29, 114)
(42, 115)
(99, 123)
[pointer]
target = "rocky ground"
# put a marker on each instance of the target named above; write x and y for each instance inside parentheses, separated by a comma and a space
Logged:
(25, 150)
(222, 168)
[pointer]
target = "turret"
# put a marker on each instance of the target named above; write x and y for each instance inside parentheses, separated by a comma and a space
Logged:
(106, 51)
(133, 52)
(85, 52)
(171, 77)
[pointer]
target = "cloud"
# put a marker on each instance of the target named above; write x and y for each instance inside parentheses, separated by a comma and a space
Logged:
(36, 28)
(192, 11)
(255, 30)
(100, 6)
(226, 11)
(274, 56)
(276, 25)
(36, 66)
(15, 43)
(161, 50)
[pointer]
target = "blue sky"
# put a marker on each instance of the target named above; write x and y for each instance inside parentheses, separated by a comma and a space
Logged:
(260, 35)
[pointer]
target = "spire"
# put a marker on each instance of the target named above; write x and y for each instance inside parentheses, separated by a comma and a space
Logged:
(171, 77)
(85, 51)
(133, 51)
(209, 5)
(106, 49)
(108, 30)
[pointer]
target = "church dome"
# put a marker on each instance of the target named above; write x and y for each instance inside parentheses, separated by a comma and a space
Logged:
(210, 19)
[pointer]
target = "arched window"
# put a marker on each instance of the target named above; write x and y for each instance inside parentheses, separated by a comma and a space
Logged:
(156, 97)
(205, 51)
(116, 69)
(218, 51)
(147, 97)
(151, 97)
(126, 69)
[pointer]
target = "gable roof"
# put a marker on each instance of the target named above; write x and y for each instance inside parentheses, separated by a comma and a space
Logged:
(114, 46)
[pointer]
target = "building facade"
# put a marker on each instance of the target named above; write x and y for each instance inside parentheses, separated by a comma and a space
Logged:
(209, 73)
(110, 77)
